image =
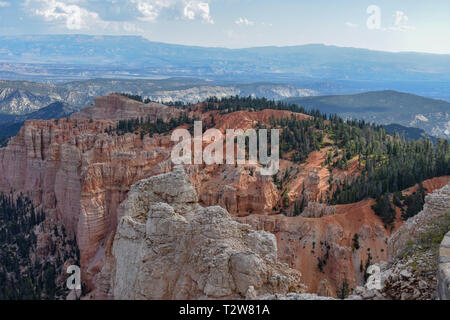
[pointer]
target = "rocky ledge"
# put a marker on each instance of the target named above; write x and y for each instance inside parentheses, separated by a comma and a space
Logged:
(444, 269)
(168, 247)
(419, 266)
(436, 205)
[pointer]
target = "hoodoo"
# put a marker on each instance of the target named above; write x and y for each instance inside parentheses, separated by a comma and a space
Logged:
(168, 247)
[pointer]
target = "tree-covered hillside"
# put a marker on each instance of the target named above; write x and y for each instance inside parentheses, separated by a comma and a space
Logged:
(387, 163)
(31, 269)
(386, 107)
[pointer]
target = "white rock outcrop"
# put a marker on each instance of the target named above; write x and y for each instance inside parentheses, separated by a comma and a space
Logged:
(168, 247)
(436, 204)
(443, 273)
(415, 270)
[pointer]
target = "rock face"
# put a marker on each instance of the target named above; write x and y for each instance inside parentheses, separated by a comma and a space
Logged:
(240, 190)
(444, 269)
(317, 210)
(436, 204)
(322, 248)
(80, 175)
(117, 107)
(408, 278)
(167, 247)
(418, 268)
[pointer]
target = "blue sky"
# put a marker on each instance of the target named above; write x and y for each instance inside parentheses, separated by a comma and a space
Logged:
(404, 25)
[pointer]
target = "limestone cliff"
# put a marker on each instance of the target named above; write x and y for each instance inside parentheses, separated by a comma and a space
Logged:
(436, 204)
(322, 247)
(168, 247)
(418, 264)
(79, 175)
(117, 107)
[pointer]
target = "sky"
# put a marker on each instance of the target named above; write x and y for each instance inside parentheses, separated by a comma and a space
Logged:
(388, 25)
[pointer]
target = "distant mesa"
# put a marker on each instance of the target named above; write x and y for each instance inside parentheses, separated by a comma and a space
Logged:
(118, 107)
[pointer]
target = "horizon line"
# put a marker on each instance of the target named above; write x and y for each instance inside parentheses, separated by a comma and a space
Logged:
(222, 47)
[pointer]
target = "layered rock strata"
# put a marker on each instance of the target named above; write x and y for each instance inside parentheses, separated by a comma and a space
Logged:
(116, 107)
(168, 247)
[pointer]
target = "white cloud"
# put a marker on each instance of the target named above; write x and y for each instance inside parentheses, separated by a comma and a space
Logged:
(351, 25)
(4, 4)
(85, 14)
(72, 15)
(401, 22)
(244, 21)
(196, 9)
(151, 10)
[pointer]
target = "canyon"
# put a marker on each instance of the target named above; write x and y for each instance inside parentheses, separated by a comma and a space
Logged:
(84, 177)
